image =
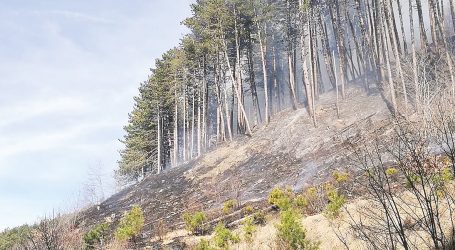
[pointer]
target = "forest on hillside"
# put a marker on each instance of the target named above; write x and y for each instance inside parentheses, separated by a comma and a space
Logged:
(370, 165)
(244, 61)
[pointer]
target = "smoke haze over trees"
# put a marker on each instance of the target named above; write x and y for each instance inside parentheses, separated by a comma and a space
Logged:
(244, 61)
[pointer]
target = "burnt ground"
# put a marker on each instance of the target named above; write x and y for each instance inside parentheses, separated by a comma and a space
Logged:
(290, 151)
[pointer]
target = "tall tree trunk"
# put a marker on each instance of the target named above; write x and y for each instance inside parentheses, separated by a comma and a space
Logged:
(403, 36)
(252, 80)
(339, 31)
(276, 85)
(308, 84)
(199, 123)
(193, 113)
(184, 126)
(394, 44)
(423, 34)
(159, 160)
(176, 133)
(389, 69)
(263, 47)
(414, 59)
(237, 92)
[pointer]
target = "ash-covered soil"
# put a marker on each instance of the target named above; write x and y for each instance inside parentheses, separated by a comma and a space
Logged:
(289, 151)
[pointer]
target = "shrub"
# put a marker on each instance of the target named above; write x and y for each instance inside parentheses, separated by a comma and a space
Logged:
(223, 236)
(391, 171)
(15, 237)
(340, 177)
(312, 202)
(336, 201)
(248, 209)
(259, 218)
(130, 225)
(301, 201)
(203, 245)
(195, 222)
(290, 233)
(96, 235)
(229, 206)
(281, 198)
(248, 229)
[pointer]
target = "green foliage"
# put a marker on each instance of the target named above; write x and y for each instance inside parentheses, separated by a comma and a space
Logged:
(336, 202)
(340, 177)
(248, 209)
(259, 218)
(301, 201)
(11, 238)
(203, 245)
(130, 225)
(290, 231)
(223, 236)
(281, 198)
(96, 235)
(195, 222)
(391, 171)
(411, 180)
(229, 206)
(248, 229)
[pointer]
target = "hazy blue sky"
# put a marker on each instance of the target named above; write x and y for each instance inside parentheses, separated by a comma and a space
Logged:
(68, 73)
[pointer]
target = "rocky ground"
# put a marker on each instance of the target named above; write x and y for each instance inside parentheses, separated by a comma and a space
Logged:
(290, 151)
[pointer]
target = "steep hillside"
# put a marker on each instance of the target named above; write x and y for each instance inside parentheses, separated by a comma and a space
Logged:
(290, 151)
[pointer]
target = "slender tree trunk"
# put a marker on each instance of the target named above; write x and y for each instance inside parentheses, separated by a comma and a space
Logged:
(277, 90)
(176, 131)
(184, 126)
(395, 48)
(237, 92)
(308, 84)
(452, 13)
(159, 142)
(423, 34)
(291, 82)
(327, 53)
(339, 31)
(193, 113)
(336, 87)
(199, 123)
(263, 46)
(414, 59)
(252, 80)
(205, 97)
(403, 36)
(389, 69)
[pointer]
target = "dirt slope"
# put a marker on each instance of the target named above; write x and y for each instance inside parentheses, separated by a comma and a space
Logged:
(290, 151)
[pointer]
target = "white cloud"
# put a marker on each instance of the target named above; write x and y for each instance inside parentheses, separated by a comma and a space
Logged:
(68, 73)
(21, 112)
(43, 142)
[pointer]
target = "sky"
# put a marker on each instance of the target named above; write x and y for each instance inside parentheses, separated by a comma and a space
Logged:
(68, 73)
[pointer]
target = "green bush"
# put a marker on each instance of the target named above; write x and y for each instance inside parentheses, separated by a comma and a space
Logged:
(248, 229)
(290, 233)
(204, 245)
(281, 198)
(336, 201)
(301, 201)
(248, 210)
(391, 171)
(96, 235)
(223, 236)
(195, 222)
(130, 225)
(229, 206)
(259, 218)
(340, 177)
(15, 237)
